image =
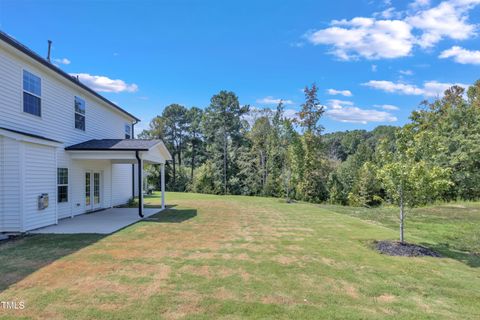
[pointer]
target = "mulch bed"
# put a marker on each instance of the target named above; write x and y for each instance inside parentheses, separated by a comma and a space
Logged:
(396, 248)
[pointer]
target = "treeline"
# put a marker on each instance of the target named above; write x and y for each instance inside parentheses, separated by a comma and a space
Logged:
(227, 148)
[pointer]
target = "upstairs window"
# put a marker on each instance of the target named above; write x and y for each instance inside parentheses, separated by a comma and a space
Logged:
(32, 94)
(79, 113)
(128, 132)
(62, 185)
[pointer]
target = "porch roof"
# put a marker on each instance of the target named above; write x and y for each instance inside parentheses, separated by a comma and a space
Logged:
(116, 144)
(121, 150)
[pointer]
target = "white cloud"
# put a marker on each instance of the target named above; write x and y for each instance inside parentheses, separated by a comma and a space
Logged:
(466, 2)
(345, 111)
(255, 112)
(290, 114)
(406, 72)
(338, 104)
(429, 89)
(105, 84)
(393, 34)
(272, 100)
(447, 20)
(392, 87)
(389, 13)
(419, 4)
(366, 37)
(357, 115)
(436, 89)
(374, 68)
(461, 55)
(388, 107)
(334, 92)
(62, 61)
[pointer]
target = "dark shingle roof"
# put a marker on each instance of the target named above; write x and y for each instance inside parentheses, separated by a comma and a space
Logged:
(115, 145)
(17, 45)
(29, 134)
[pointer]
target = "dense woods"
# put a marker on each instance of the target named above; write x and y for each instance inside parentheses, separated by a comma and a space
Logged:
(227, 148)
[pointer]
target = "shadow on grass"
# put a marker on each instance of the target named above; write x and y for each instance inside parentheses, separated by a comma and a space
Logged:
(157, 206)
(22, 256)
(173, 216)
(445, 250)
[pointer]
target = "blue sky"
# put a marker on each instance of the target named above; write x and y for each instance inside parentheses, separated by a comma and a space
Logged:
(379, 57)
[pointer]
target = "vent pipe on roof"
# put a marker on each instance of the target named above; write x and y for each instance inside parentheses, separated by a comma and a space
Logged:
(49, 49)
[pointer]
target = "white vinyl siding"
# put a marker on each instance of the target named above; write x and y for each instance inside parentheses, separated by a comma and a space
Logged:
(39, 177)
(56, 122)
(2, 155)
(121, 176)
(58, 96)
(10, 185)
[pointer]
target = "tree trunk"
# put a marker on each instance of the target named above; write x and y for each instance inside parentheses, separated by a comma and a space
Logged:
(266, 167)
(262, 164)
(402, 217)
(224, 161)
(175, 150)
(180, 156)
(174, 170)
(288, 185)
(192, 164)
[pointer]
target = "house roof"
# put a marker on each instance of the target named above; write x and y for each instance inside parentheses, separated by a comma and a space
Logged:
(17, 45)
(115, 145)
(29, 134)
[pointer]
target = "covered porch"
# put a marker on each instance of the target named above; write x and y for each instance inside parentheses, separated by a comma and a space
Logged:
(136, 152)
(99, 222)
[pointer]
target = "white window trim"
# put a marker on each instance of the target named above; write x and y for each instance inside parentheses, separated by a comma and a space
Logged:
(31, 93)
(82, 114)
(129, 130)
(64, 185)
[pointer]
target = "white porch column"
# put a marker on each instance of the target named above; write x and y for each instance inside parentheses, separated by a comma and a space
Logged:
(140, 184)
(163, 184)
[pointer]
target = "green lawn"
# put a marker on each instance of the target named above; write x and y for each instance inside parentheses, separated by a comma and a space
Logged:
(451, 229)
(242, 257)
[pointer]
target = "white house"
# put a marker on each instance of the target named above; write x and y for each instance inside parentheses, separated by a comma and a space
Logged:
(64, 149)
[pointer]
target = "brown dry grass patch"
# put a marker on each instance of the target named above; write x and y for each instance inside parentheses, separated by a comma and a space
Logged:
(386, 298)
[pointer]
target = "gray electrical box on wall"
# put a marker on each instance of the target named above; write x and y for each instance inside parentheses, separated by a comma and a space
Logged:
(43, 201)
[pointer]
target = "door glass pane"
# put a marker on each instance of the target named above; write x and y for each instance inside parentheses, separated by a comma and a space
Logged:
(96, 188)
(87, 188)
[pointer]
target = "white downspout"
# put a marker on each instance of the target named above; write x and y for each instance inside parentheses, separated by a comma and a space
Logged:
(56, 184)
(163, 184)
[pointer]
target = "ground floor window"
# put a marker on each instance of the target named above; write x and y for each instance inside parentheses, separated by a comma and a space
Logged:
(62, 184)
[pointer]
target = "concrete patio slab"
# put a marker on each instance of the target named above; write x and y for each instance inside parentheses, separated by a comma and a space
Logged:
(101, 222)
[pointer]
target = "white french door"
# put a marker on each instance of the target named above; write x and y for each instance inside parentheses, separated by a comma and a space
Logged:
(93, 190)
